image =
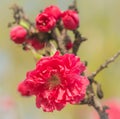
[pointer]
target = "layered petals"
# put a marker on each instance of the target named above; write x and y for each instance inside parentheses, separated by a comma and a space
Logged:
(18, 34)
(70, 19)
(45, 22)
(56, 81)
(53, 11)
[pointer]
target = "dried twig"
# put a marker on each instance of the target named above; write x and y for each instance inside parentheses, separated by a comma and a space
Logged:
(59, 40)
(102, 113)
(105, 65)
(91, 100)
(74, 6)
(77, 42)
(18, 15)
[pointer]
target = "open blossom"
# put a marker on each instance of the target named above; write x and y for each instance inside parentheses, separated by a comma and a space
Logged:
(45, 22)
(53, 11)
(18, 34)
(113, 110)
(55, 81)
(70, 19)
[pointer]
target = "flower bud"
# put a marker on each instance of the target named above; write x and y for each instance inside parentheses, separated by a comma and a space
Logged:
(70, 19)
(69, 45)
(53, 11)
(45, 22)
(18, 34)
(37, 45)
(23, 89)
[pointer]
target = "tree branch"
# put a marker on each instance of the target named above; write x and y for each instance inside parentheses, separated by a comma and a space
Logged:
(77, 42)
(105, 65)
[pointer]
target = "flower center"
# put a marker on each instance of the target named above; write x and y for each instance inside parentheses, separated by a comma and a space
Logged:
(53, 81)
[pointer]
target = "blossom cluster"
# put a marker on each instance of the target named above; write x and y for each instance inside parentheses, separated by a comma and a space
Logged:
(58, 79)
(45, 22)
(19, 35)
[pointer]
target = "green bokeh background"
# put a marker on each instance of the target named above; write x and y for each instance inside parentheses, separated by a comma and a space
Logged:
(99, 22)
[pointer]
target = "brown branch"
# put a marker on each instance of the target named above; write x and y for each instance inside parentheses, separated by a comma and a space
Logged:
(92, 101)
(18, 14)
(60, 40)
(105, 65)
(77, 42)
(101, 110)
(78, 38)
(74, 6)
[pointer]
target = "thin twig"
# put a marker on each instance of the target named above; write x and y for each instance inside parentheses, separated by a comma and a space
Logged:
(91, 100)
(105, 65)
(18, 14)
(59, 40)
(77, 42)
(74, 6)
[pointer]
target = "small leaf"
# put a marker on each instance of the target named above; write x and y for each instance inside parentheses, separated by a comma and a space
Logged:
(24, 24)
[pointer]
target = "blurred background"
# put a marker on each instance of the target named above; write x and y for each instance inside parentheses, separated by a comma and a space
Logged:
(100, 23)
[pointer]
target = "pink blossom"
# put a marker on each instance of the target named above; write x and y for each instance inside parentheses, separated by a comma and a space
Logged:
(113, 110)
(45, 22)
(70, 19)
(18, 34)
(56, 81)
(53, 11)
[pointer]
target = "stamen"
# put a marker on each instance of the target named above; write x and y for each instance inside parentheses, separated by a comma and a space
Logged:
(54, 81)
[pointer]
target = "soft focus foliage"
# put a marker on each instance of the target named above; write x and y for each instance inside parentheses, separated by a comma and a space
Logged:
(99, 23)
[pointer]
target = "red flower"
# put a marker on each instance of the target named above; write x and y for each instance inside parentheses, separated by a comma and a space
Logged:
(70, 19)
(53, 11)
(113, 111)
(18, 34)
(35, 43)
(45, 22)
(56, 81)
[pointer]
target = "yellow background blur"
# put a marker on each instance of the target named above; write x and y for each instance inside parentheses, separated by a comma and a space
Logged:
(99, 22)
